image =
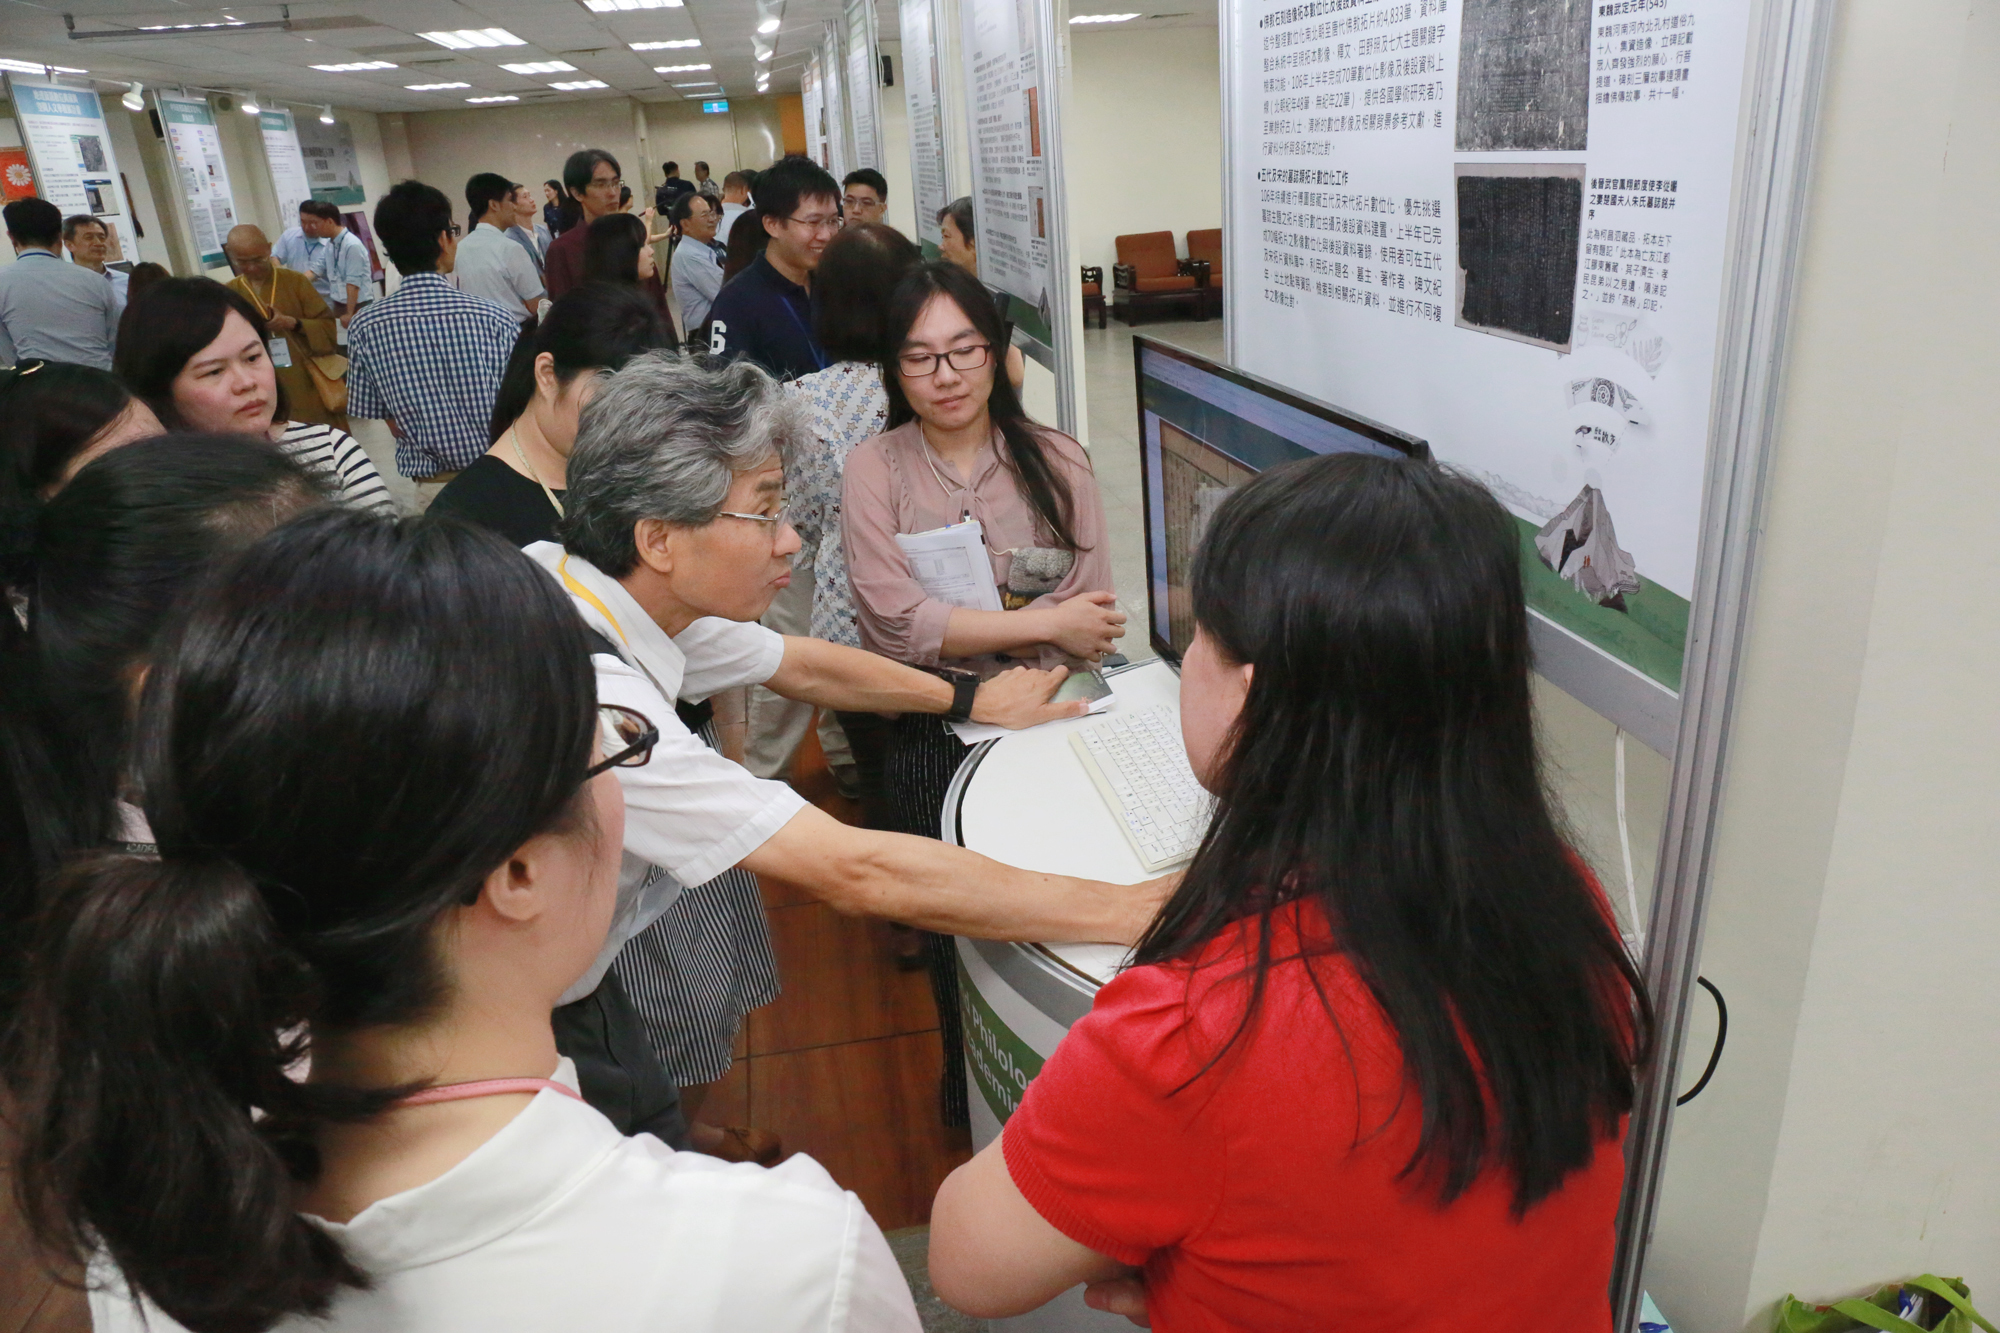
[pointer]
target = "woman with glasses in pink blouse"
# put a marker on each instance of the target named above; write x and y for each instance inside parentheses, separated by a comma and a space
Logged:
(959, 447)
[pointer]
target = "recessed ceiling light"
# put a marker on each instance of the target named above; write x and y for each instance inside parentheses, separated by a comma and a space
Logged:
(675, 45)
(465, 39)
(504, 97)
(581, 85)
(768, 26)
(613, 6)
(434, 87)
(30, 67)
(541, 67)
(1101, 18)
(710, 84)
(355, 66)
(679, 69)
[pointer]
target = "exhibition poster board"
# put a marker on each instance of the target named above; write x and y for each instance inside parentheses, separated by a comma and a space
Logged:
(196, 149)
(839, 153)
(65, 137)
(1503, 226)
(812, 99)
(864, 102)
(923, 95)
(332, 165)
(1013, 86)
(287, 162)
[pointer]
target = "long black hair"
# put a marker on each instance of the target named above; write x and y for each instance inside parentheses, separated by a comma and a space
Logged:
(746, 240)
(49, 412)
(611, 249)
(1384, 768)
(316, 815)
(98, 569)
(166, 326)
(1048, 491)
(851, 288)
(595, 326)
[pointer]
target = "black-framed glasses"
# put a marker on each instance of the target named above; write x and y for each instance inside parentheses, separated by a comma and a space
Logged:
(629, 738)
(919, 364)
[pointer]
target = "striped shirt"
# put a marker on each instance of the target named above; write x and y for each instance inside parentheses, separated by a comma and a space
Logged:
(336, 456)
(431, 357)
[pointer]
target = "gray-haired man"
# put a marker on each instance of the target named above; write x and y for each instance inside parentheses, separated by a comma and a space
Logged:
(674, 542)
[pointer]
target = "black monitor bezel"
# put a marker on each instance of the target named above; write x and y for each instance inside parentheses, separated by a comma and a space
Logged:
(1359, 425)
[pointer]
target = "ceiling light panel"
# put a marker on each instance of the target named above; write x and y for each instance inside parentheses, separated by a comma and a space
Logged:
(679, 69)
(354, 66)
(620, 6)
(710, 84)
(434, 87)
(1102, 18)
(679, 43)
(504, 97)
(541, 67)
(582, 85)
(33, 67)
(467, 39)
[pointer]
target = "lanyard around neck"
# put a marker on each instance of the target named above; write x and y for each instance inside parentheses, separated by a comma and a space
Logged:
(486, 1087)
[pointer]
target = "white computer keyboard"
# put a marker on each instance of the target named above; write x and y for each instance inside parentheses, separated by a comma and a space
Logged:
(1141, 769)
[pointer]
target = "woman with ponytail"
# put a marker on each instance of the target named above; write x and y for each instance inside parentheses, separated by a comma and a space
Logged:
(373, 761)
(1372, 1062)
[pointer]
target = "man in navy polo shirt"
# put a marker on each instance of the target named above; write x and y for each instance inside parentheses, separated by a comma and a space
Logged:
(765, 312)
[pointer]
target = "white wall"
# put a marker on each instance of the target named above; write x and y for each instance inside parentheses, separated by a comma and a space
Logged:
(1850, 1137)
(895, 132)
(1143, 139)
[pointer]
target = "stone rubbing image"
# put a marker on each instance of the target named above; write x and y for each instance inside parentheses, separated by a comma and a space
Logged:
(1524, 76)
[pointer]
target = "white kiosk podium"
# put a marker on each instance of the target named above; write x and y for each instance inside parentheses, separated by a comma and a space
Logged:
(1025, 799)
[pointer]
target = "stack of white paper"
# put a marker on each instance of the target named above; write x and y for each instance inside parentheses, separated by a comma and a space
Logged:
(952, 566)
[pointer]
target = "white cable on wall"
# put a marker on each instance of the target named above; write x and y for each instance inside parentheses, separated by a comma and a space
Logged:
(1636, 935)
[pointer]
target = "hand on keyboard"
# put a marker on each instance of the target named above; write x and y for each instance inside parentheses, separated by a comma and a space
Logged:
(1019, 697)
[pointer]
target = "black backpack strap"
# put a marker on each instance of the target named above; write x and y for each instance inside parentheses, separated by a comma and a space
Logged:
(693, 716)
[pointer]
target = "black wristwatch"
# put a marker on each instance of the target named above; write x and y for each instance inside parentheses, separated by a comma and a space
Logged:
(964, 684)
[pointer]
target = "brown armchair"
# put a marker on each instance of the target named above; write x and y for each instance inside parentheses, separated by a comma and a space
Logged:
(1148, 274)
(1093, 294)
(1205, 247)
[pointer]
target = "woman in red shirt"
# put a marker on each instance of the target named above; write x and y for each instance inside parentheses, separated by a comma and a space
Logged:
(1371, 1066)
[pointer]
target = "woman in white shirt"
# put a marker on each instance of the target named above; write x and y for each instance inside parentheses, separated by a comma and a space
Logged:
(435, 1169)
(200, 357)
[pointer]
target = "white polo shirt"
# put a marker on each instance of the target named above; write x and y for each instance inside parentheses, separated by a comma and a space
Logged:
(690, 814)
(560, 1222)
(492, 264)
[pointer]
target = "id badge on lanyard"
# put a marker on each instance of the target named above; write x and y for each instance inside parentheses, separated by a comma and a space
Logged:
(281, 353)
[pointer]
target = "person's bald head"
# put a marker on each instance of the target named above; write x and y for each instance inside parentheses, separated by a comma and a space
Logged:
(250, 251)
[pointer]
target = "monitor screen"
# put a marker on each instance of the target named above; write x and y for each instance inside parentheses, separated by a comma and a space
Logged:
(1205, 429)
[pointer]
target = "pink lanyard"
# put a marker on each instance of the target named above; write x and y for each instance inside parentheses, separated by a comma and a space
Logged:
(487, 1087)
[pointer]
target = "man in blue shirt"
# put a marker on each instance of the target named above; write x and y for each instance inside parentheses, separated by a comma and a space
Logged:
(51, 310)
(429, 359)
(340, 266)
(294, 249)
(765, 312)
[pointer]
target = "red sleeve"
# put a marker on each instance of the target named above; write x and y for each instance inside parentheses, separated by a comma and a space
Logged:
(1107, 1145)
(562, 267)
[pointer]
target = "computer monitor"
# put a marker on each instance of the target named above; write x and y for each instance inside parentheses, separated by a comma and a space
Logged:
(1205, 429)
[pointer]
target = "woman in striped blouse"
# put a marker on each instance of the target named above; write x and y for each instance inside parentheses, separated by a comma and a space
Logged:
(200, 356)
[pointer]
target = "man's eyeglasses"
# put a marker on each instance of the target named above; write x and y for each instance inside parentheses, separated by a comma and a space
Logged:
(629, 738)
(855, 203)
(777, 520)
(917, 365)
(829, 225)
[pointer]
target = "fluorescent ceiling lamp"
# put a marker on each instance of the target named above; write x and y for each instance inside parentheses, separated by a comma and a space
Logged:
(30, 67)
(181, 27)
(355, 67)
(1101, 18)
(582, 85)
(134, 98)
(710, 84)
(614, 6)
(326, 114)
(541, 67)
(675, 45)
(679, 69)
(434, 87)
(504, 97)
(465, 39)
(768, 26)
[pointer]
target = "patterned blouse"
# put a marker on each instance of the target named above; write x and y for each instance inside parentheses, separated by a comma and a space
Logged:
(848, 406)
